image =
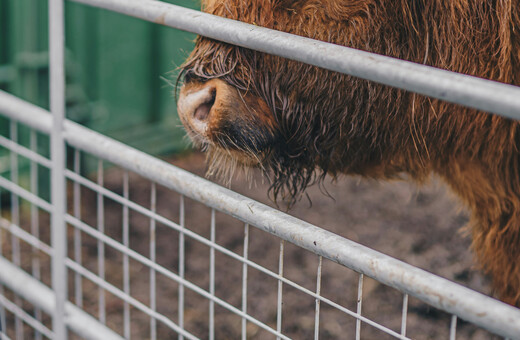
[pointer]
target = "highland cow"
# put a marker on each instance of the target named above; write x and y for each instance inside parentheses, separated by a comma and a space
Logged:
(300, 123)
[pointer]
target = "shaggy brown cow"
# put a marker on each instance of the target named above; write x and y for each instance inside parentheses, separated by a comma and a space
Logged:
(300, 123)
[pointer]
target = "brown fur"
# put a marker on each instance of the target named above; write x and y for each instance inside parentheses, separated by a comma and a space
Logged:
(328, 123)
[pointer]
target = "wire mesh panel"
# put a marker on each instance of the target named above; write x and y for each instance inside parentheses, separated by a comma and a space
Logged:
(25, 218)
(149, 262)
(141, 249)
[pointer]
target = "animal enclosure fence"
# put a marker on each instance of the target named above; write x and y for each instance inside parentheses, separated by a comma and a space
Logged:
(184, 297)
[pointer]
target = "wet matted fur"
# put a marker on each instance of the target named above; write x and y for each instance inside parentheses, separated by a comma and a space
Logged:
(329, 124)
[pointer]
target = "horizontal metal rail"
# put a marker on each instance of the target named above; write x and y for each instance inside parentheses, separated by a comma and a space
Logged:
(43, 298)
(116, 245)
(28, 319)
(453, 87)
(438, 292)
(142, 259)
(101, 282)
(21, 234)
(25, 152)
(26, 195)
(158, 218)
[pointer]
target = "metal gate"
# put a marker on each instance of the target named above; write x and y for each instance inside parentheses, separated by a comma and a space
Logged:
(49, 291)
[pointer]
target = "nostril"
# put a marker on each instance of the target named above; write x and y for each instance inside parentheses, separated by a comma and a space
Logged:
(202, 111)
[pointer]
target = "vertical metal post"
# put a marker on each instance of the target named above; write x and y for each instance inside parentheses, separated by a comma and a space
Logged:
(2, 311)
(15, 201)
(35, 226)
(318, 292)
(57, 101)
(404, 315)
(78, 290)
(280, 288)
(126, 266)
(244, 280)
(100, 244)
(153, 299)
(15, 219)
(212, 278)
(3, 328)
(453, 327)
(181, 266)
(359, 306)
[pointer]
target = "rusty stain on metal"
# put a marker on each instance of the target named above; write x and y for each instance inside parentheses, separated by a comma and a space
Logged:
(160, 19)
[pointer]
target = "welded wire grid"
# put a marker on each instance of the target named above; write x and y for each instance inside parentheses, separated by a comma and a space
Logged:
(151, 263)
(24, 212)
(147, 262)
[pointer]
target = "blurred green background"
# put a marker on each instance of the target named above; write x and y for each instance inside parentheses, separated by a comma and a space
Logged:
(115, 70)
(119, 75)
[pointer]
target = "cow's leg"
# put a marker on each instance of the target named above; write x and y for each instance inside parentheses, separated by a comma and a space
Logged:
(495, 223)
(497, 245)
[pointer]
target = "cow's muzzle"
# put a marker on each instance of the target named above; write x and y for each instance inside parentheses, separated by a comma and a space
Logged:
(216, 113)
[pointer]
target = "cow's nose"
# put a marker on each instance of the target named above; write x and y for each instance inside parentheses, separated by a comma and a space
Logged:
(195, 104)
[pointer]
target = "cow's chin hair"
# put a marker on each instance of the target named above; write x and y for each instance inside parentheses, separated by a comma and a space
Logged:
(287, 185)
(226, 164)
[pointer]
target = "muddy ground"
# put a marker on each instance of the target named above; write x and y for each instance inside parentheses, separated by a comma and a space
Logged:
(421, 226)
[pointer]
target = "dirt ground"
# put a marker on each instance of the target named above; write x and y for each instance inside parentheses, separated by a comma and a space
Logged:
(421, 226)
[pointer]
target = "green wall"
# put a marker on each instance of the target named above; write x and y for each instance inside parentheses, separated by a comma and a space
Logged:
(114, 69)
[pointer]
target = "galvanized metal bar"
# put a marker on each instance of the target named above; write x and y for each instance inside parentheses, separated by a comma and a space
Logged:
(470, 91)
(126, 298)
(126, 265)
(16, 307)
(318, 292)
(244, 280)
(212, 277)
(181, 265)
(36, 324)
(453, 327)
(24, 112)
(4, 336)
(43, 297)
(25, 236)
(58, 184)
(100, 245)
(28, 238)
(78, 287)
(168, 223)
(3, 327)
(23, 151)
(404, 316)
(26, 195)
(207, 242)
(167, 273)
(359, 306)
(35, 225)
(280, 290)
(471, 306)
(383, 268)
(2, 310)
(153, 297)
(15, 218)
(104, 192)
